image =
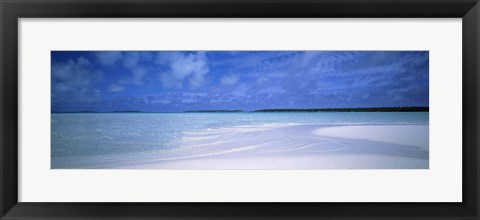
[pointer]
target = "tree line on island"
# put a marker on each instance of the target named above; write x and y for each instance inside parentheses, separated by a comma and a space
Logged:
(373, 109)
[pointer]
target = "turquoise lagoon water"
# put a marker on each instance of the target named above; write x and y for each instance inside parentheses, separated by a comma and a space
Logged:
(95, 140)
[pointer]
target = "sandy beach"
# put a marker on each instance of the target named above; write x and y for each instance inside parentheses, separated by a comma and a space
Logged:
(293, 146)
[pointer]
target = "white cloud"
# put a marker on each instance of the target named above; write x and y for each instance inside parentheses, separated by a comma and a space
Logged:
(262, 80)
(73, 81)
(108, 58)
(229, 80)
(194, 94)
(160, 101)
(190, 68)
(70, 70)
(188, 100)
(217, 100)
(240, 90)
(131, 61)
(115, 88)
(137, 76)
(271, 91)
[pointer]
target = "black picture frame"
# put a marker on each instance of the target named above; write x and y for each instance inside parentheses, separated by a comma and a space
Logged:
(12, 10)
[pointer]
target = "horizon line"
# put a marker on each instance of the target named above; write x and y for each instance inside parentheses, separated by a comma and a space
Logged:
(417, 108)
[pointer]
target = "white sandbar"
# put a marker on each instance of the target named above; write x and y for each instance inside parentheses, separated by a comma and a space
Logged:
(299, 147)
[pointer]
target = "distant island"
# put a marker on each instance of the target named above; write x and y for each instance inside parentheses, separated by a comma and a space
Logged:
(214, 111)
(121, 111)
(373, 109)
(377, 109)
(75, 112)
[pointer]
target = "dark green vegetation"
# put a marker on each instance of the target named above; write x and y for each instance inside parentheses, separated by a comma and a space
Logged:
(125, 111)
(378, 109)
(76, 112)
(215, 111)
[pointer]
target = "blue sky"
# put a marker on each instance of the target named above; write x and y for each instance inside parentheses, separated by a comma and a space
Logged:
(175, 81)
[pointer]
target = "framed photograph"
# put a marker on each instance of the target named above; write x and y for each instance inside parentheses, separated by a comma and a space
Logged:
(225, 109)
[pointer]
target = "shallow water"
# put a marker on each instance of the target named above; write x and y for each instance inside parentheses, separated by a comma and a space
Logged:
(115, 139)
